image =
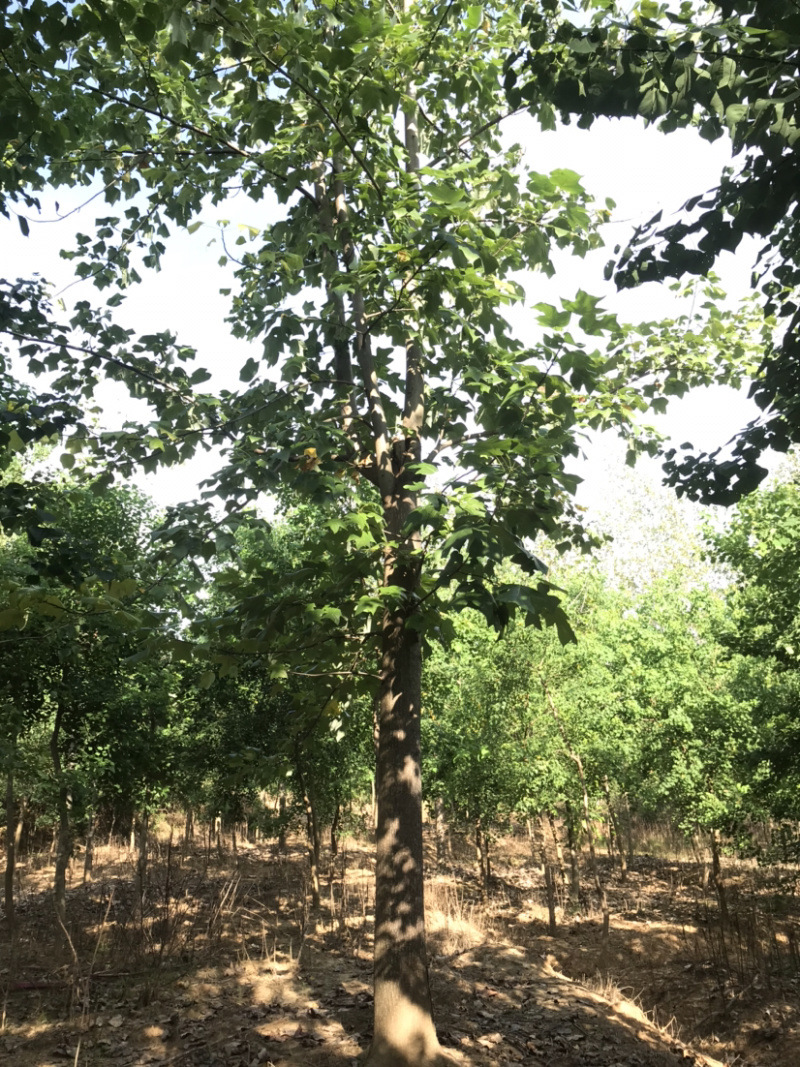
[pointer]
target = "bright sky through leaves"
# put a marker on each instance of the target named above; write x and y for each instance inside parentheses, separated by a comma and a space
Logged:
(642, 170)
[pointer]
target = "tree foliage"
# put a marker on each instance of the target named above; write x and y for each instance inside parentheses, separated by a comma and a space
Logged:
(726, 68)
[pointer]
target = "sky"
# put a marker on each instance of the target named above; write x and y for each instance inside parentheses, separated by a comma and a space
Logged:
(641, 169)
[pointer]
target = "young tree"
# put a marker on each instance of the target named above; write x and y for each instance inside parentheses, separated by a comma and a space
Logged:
(760, 546)
(388, 381)
(70, 593)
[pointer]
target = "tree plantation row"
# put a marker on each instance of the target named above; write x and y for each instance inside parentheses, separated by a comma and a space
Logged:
(676, 701)
(418, 446)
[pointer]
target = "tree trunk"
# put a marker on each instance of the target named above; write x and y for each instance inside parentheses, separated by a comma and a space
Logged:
(11, 853)
(20, 826)
(549, 877)
(613, 823)
(598, 884)
(141, 825)
(562, 874)
(313, 849)
(337, 816)
(572, 847)
(188, 829)
(482, 857)
(716, 874)
(576, 759)
(628, 828)
(312, 830)
(282, 824)
(88, 858)
(64, 833)
(441, 831)
(404, 1034)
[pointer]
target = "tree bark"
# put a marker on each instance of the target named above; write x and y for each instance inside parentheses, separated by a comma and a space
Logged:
(11, 853)
(628, 828)
(716, 875)
(482, 857)
(441, 831)
(557, 847)
(188, 829)
(404, 1035)
(282, 823)
(88, 858)
(598, 884)
(312, 830)
(64, 833)
(337, 816)
(549, 876)
(572, 847)
(141, 826)
(613, 823)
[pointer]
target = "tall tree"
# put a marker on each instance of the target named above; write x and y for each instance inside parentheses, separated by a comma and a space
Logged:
(388, 384)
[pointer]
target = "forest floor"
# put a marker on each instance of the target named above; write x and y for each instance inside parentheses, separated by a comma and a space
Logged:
(230, 966)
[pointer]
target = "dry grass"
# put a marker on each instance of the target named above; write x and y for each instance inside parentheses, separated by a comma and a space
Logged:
(238, 932)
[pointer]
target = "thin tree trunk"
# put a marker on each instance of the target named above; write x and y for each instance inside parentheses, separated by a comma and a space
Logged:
(557, 847)
(441, 830)
(572, 848)
(64, 833)
(482, 857)
(549, 877)
(313, 849)
(282, 826)
(337, 816)
(11, 852)
(312, 830)
(628, 828)
(141, 826)
(22, 811)
(188, 829)
(614, 827)
(88, 858)
(587, 815)
(717, 877)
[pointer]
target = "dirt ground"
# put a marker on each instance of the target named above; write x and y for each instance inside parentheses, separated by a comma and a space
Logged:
(228, 965)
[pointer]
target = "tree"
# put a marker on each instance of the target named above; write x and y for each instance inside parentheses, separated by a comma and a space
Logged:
(729, 67)
(759, 545)
(70, 593)
(387, 385)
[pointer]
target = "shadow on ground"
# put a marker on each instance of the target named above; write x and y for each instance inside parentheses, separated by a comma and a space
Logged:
(228, 968)
(226, 965)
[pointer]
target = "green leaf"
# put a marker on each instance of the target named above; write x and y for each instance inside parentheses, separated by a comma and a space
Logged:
(444, 194)
(474, 17)
(144, 30)
(249, 370)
